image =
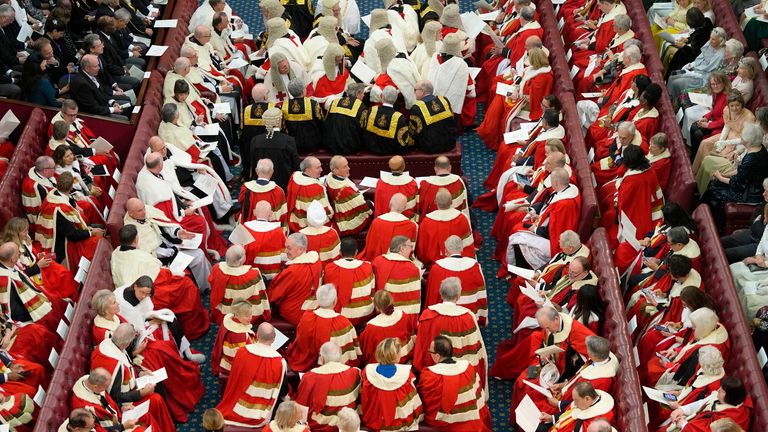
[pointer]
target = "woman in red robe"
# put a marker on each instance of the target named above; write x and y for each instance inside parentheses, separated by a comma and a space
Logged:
(389, 322)
(595, 42)
(730, 401)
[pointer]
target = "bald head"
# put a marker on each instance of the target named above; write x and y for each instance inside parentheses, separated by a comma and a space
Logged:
(181, 66)
(397, 164)
(155, 162)
(99, 377)
(156, 144)
(235, 256)
(265, 334)
(259, 93)
(311, 166)
(263, 210)
(533, 42)
(9, 254)
(202, 31)
(397, 203)
(135, 209)
(443, 199)
(442, 165)
(330, 353)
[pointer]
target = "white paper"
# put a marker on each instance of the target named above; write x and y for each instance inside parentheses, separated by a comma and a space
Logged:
(702, 99)
(147, 74)
(659, 21)
(628, 232)
(237, 63)
(39, 397)
(762, 358)
(101, 145)
(131, 95)
(106, 213)
(632, 325)
(135, 72)
(561, 23)
(202, 202)
(206, 183)
(24, 33)
(154, 377)
(362, 72)
(222, 108)
(69, 312)
(192, 243)
(636, 355)
(656, 395)
(530, 292)
(8, 124)
(53, 358)
(591, 95)
(574, 70)
(522, 272)
(490, 16)
(280, 340)
(180, 263)
(240, 235)
(84, 263)
(168, 23)
(473, 71)
(569, 54)
(764, 62)
(527, 415)
(184, 345)
(369, 182)
(503, 89)
(211, 129)
(367, 20)
(558, 2)
(538, 388)
(156, 50)
(473, 24)
(111, 192)
(136, 413)
(5, 428)
(116, 175)
(515, 136)
(145, 40)
(62, 329)
(645, 412)
(679, 115)
(237, 34)
(527, 323)
(81, 274)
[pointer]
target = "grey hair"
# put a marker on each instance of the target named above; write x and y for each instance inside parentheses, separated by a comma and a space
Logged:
(522, 2)
(100, 301)
(598, 347)
(326, 296)
(6, 10)
(602, 425)
(453, 244)
(426, 86)
(711, 360)
(547, 312)
(560, 176)
(752, 134)
(354, 87)
(42, 161)
(389, 95)
(633, 42)
(450, 289)
(628, 126)
(187, 51)
(265, 166)
(333, 164)
(393, 202)
(235, 255)
(349, 421)
(306, 163)
(181, 63)
(89, 41)
(300, 239)
(123, 335)
(765, 183)
(633, 54)
(98, 376)
(527, 13)
(570, 238)
(169, 112)
(122, 14)
(330, 352)
(735, 47)
(720, 33)
(265, 332)
(296, 88)
(623, 22)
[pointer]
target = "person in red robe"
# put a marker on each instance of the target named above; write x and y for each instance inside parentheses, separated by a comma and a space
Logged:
(597, 35)
(438, 225)
(627, 104)
(235, 332)
(596, 56)
(389, 399)
(610, 168)
(730, 401)
(81, 136)
(443, 178)
(328, 388)
(321, 238)
(458, 323)
(389, 322)
(292, 291)
(394, 182)
(61, 229)
(304, 187)
(468, 271)
(263, 188)
(586, 405)
(354, 284)
(387, 226)
(330, 74)
(351, 213)
(233, 280)
(319, 326)
(631, 59)
(184, 386)
(514, 49)
(90, 393)
(397, 274)
(451, 391)
(557, 329)
(267, 250)
(660, 158)
(111, 355)
(255, 382)
(287, 418)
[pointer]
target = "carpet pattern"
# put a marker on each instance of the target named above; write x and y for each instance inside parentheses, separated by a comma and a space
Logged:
(477, 161)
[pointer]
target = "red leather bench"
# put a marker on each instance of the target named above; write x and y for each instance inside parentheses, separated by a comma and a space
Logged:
(554, 43)
(75, 359)
(717, 280)
(627, 394)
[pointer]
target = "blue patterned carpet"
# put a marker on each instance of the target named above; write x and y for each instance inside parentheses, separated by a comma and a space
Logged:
(476, 164)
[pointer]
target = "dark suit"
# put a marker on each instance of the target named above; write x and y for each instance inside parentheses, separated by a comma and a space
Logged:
(112, 59)
(281, 150)
(89, 98)
(8, 47)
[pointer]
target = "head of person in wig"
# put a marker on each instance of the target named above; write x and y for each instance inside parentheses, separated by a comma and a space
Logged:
(379, 19)
(326, 27)
(271, 9)
(387, 51)
(432, 32)
(276, 28)
(332, 9)
(333, 59)
(273, 119)
(451, 17)
(279, 65)
(452, 44)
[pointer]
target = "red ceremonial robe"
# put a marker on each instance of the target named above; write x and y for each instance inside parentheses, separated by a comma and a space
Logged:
(253, 192)
(316, 328)
(354, 284)
(18, 291)
(627, 104)
(105, 410)
(61, 283)
(382, 230)
(473, 295)
(351, 212)
(435, 228)
(232, 336)
(390, 184)
(323, 240)
(267, 249)
(561, 214)
(53, 207)
(654, 369)
(428, 190)
(741, 414)
(292, 291)
(17, 411)
(253, 386)
(661, 165)
(395, 325)
(325, 390)
(583, 82)
(302, 190)
(641, 199)
(390, 403)
(82, 136)
(622, 83)
(576, 420)
(453, 398)
(698, 387)
(230, 284)
(402, 279)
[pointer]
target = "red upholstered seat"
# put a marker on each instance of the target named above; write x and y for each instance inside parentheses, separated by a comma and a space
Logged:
(76, 353)
(627, 394)
(716, 278)
(31, 143)
(738, 216)
(418, 163)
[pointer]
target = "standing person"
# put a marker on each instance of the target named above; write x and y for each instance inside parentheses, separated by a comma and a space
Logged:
(276, 146)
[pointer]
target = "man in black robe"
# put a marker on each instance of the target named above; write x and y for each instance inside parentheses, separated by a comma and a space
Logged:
(253, 125)
(303, 118)
(432, 124)
(386, 129)
(276, 146)
(344, 128)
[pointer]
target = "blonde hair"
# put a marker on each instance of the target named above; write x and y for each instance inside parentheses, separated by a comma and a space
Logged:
(538, 58)
(556, 144)
(388, 351)
(287, 415)
(13, 229)
(213, 420)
